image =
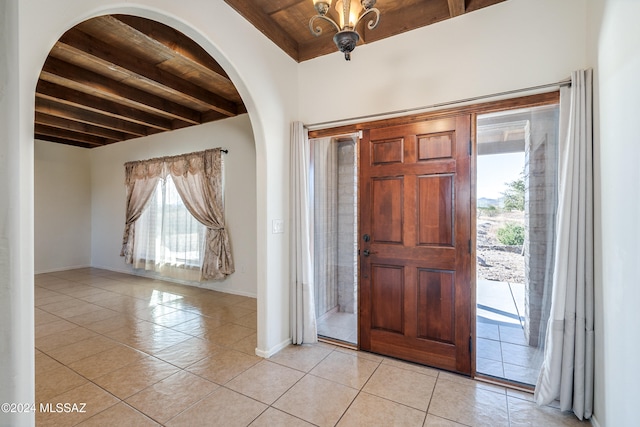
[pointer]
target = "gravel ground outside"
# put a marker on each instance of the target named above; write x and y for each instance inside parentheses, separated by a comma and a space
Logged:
(496, 261)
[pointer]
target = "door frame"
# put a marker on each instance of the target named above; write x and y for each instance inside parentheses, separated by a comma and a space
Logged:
(536, 100)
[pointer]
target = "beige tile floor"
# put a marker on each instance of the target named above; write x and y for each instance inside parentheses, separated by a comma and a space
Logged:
(143, 352)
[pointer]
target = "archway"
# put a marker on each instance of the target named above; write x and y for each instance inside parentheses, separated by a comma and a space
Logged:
(126, 88)
(264, 84)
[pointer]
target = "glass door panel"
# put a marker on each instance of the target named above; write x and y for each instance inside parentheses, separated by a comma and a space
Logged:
(516, 205)
(334, 198)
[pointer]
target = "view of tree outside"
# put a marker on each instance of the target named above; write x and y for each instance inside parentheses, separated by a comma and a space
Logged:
(500, 217)
(514, 195)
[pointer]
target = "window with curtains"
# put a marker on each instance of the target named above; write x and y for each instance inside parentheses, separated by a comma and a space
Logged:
(167, 235)
(174, 218)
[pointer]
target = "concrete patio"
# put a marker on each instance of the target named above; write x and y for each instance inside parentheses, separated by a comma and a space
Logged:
(502, 350)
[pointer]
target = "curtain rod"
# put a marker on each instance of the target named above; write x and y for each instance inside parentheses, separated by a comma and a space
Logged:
(320, 125)
(224, 150)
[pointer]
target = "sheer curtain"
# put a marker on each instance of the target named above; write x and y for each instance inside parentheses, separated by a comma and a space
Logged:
(567, 369)
(302, 309)
(168, 238)
(325, 223)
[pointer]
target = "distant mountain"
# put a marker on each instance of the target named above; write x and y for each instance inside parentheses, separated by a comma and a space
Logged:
(484, 202)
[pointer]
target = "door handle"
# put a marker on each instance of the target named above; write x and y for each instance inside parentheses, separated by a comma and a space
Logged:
(367, 253)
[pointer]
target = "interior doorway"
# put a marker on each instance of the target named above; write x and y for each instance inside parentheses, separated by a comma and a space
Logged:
(516, 199)
(334, 201)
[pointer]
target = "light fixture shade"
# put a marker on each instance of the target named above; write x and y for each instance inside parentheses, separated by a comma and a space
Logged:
(353, 11)
(350, 12)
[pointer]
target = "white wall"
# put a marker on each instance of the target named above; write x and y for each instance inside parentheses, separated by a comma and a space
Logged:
(618, 282)
(108, 194)
(510, 45)
(16, 224)
(594, 18)
(62, 206)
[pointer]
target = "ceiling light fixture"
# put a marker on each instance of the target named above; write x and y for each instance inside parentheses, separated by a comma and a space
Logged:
(351, 12)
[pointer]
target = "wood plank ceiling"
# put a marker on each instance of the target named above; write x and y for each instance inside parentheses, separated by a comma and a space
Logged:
(119, 77)
(286, 22)
(116, 77)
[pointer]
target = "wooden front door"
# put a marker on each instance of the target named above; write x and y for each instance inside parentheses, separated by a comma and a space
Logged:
(415, 242)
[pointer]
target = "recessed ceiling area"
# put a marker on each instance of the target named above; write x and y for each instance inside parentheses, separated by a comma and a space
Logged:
(286, 22)
(119, 77)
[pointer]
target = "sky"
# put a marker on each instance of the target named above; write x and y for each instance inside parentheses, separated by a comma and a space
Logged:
(495, 170)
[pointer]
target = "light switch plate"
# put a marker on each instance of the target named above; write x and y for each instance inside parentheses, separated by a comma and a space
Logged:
(277, 226)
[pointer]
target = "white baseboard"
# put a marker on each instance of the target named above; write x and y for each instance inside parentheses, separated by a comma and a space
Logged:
(59, 269)
(273, 350)
(204, 285)
(594, 421)
(212, 287)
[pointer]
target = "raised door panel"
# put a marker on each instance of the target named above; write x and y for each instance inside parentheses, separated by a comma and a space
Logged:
(387, 210)
(435, 219)
(437, 146)
(387, 152)
(436, 305)
(387, 298)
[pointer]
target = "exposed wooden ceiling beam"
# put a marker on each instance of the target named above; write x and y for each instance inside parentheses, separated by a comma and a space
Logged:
(72, 125)
(57, 109)
(266, 25)
(173, 42)
(70, 135)
(58, 140)
(93, 103)
(211, 116)
(115, 91)
(83, 44)
(456, 7)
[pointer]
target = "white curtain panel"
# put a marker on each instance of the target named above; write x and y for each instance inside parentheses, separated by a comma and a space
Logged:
(567, 369)
(302, 310)
(168, 239)
(324, 224)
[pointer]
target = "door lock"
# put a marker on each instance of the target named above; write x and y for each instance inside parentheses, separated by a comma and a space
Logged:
(366, 237)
